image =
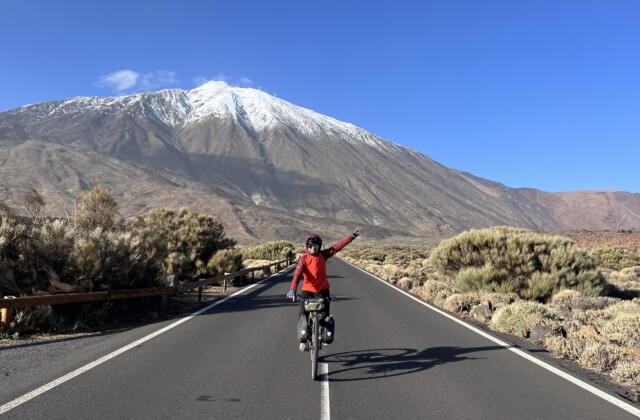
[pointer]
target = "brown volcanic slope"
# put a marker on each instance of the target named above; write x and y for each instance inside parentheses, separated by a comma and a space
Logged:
(591, 210)
(267, 169)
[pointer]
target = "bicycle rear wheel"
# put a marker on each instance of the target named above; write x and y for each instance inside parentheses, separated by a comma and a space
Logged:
(314, 347)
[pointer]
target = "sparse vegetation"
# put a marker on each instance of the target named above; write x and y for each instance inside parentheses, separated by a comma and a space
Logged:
(512, 280)
(616, 258)
(91, 252)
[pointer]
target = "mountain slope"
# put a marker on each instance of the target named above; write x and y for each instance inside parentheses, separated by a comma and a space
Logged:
(268, 169)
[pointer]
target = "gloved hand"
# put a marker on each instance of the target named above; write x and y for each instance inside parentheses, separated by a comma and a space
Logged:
(356, 233)
(291, 295)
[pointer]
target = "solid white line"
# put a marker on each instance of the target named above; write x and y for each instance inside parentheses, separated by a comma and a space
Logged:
(325, 405)
(44, 388)
(590, 388)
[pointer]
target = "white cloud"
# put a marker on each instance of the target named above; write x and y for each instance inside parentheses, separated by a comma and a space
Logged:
(123, 81)
(245, 82)
(120, 80)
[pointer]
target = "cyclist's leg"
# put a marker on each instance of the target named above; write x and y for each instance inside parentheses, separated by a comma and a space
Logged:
(327, 304)
(301, 297)
(303, 317)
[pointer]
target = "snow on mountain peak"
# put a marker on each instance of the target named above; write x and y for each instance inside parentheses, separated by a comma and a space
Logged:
(252, 108)
(258, 110)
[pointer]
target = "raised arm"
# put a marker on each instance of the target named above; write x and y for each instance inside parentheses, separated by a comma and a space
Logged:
(335, 248)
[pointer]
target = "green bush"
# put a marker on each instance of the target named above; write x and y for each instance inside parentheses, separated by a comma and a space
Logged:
(272, 251)
(223, 261)
(38, 318)
(183, 240)
(96, 208)
(116, 261)
(616, 258)
(15, 242)
(505, 259)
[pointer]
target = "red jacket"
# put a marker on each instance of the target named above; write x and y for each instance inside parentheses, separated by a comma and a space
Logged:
(314, 268)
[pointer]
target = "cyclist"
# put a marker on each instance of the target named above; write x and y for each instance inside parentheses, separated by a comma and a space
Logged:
(312, 266)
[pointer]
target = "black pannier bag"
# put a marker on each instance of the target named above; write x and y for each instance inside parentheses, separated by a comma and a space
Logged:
(302, 329)
(329, 330)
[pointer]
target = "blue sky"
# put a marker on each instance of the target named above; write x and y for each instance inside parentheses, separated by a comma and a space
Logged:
(542, 94)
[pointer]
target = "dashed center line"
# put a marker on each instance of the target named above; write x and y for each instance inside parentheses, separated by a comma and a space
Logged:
(325, 403)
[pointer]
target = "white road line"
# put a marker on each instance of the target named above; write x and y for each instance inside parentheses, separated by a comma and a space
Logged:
(325, 404)
(44, 388)
(590, 388)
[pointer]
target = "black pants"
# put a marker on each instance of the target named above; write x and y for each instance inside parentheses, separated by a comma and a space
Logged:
(304, 295)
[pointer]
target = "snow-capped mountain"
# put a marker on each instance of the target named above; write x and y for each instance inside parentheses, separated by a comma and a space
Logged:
(267, 168)
(253, 109)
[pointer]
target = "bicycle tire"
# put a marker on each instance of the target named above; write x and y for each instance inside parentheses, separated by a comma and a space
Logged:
(314, 348)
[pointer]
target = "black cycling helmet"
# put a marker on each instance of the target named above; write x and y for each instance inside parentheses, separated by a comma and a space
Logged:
(313, 239)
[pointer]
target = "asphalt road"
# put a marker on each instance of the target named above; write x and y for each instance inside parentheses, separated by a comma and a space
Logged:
(393, 357)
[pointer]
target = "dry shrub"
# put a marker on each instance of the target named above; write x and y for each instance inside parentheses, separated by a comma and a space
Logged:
(222, 262)
(600, 357)
(439, 299)
(34, 319)
(570, 347)
(625, 275)
(626, 281)
(571, 299)
(461, 302)
(597, 318)
(95, 208)
(520, 317)
(415, 271)
(434, 290)
(184, 241)
(251, 263)
(498, 300)
(624, 328)
(273, 251)
(616, 258)
(610, 312)
(391, 272)
(374, 269)
(408, 283)
(627, 371)
(364, 254)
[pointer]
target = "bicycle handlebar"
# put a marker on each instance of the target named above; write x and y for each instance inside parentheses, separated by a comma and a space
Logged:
(329, 298)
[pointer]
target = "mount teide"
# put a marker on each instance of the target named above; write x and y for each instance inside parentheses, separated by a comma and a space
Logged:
(266, 168)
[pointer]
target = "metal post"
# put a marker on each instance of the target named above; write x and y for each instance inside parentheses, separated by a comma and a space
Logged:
(165, 303)
(6, 318)
(200, 294)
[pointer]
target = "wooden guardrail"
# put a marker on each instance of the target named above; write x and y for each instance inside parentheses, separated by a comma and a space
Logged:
(7, 305)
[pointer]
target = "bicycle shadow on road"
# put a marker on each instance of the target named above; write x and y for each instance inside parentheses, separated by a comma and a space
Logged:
(384, 363)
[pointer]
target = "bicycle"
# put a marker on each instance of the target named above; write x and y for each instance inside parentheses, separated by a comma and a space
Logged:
(315, 307)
